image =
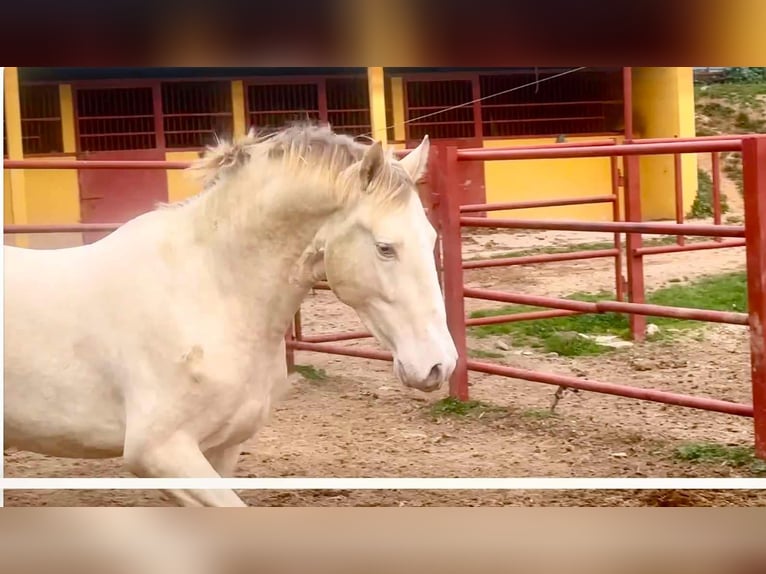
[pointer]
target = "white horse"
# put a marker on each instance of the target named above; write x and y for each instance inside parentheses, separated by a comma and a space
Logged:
(163, 343)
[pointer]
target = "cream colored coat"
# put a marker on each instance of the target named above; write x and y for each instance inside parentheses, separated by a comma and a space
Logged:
(163, 343)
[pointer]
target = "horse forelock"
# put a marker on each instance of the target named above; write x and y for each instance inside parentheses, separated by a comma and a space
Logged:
(308, 150)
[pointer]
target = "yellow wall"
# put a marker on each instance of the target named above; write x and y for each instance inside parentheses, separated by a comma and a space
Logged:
(397, 105)
(238, 107)
(49, 196)
(539, 179)
(46, 196)
(14, 199)
(180, 183)
(68, 134)
(12, 121)
(663, 104)
(53, 195)
(377, 93)
(7, 205)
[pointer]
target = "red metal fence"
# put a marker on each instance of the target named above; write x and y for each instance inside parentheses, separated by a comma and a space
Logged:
(754, 233)
(440, 200)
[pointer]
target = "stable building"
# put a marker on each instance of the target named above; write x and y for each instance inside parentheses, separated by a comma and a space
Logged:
(173, 113)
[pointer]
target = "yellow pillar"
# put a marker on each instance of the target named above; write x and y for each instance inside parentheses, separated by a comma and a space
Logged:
(239, 107)
(67, 118)
(663, 104)
(397, 97)
(377, 90)
(18, 197)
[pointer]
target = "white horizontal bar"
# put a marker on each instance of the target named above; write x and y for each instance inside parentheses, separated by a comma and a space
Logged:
(379, 483)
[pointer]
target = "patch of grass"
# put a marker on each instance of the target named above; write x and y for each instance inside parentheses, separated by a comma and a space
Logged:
(732, 107)
(734, 456)
(743, 94)
(732, 167)
(456, 408)
(538, 414)
(311, 373)
(724, 292)
(706, 131)
(481, 354)
(716, 109)
(703, 202)
(699, 337)
(746, 123)
(572, 346)
(557, 334)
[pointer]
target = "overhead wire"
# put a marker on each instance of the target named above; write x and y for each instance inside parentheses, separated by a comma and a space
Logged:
(535, 83)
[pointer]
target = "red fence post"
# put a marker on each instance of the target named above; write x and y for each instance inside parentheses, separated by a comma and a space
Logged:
(429, 196)
(619, 287)
(452, 263)
(292, 335)
(633, 243)
(679, 193)
(716, 169)
(289, 351)
(754, 179)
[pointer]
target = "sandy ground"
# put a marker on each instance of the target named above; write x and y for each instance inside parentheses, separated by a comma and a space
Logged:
(360, 422)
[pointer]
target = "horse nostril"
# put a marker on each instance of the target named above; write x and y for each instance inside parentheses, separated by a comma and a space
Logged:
(436, 372)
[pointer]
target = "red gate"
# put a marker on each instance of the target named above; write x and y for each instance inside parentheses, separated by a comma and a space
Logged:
(118, 195)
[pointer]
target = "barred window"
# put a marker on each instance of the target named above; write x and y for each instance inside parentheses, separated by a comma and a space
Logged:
(272, 106)
(585, 102)
(425, 97)
(194, 113)
(115, 119)
(40, 120)
(348, 105)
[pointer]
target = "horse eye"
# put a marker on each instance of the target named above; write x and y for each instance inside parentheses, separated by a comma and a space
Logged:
(385, 250)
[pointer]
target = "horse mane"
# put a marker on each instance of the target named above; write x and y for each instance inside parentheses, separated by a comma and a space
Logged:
(309, 149)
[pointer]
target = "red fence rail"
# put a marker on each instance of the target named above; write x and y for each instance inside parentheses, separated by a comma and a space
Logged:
(448, 217)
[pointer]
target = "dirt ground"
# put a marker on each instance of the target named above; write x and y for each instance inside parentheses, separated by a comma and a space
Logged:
(360, 422)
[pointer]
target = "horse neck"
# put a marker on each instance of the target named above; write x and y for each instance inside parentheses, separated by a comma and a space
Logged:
(257, 246)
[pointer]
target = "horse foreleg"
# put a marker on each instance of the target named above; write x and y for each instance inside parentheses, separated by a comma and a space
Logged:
(178, 457)
(224, 460)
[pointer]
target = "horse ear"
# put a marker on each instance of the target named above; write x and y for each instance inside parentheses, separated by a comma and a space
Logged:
(416, 162)
(372, 162)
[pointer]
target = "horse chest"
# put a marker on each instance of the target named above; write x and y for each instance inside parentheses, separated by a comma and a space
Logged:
(234, 391)
(237, 417)
(246, 419)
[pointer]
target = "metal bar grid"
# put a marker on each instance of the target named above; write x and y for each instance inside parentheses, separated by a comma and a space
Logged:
(608, 306)
(717, 243)
(543, 258)
(653, 395)
(482, 207)
(609, 226)
(634, 227)
(631, 149)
